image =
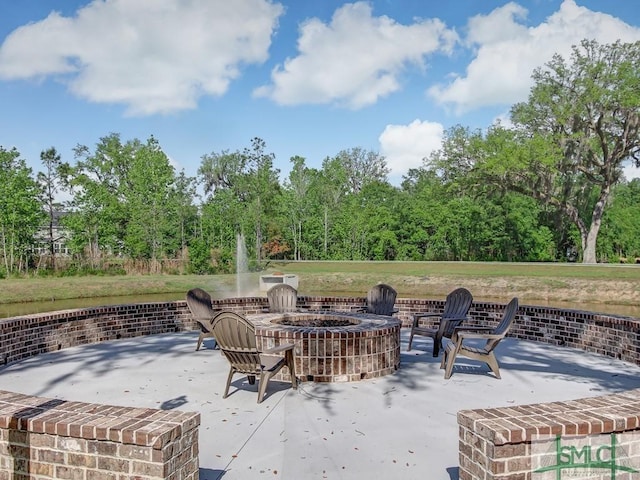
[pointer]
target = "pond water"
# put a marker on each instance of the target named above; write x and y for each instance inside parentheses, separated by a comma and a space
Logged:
(27, 308)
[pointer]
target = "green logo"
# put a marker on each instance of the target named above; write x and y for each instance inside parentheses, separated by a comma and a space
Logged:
(577, 460)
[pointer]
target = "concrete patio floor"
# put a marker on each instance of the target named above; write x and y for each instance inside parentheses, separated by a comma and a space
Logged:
(401, 426)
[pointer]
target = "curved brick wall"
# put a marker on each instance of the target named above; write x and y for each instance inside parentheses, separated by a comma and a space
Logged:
(493, 443)
(25, 336)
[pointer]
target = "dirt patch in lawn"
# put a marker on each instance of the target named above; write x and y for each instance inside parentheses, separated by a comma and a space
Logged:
(529, 290)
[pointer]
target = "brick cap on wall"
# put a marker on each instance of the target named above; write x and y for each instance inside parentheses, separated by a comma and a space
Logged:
(593, 415)
(92, 421)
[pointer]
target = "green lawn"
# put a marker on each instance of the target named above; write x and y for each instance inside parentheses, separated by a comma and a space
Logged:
(471, 269)
(619, 284)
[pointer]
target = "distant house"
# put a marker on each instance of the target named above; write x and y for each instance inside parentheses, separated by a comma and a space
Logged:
(60, 236)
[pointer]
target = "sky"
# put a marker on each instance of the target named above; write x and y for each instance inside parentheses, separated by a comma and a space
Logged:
(309, 77)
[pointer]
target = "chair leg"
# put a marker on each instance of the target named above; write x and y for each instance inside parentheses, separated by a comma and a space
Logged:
(410, 340)
(451, 358)
(492, 362)
(437, 345)
(262, 387)
(200, 338)
(292, 368)
(229, 378)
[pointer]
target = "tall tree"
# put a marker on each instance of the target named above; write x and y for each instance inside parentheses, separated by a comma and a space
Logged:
(49, 182)
(380, 202)
(620, 236)
(261, 188)
(332, 186)
(466, 213)
(125, 201)
(221, 171)
(184, 209)
(221, 214)
(296, 188)
(249, 184)
(362, 167)
(587, 111)
(98, 216)
(151, 230)
(21, 214)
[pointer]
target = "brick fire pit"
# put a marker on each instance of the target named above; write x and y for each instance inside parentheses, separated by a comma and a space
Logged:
(334, 346)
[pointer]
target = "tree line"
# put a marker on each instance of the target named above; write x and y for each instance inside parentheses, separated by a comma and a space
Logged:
(546, 186)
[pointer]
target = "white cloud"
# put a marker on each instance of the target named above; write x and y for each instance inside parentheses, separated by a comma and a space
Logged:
(508, 52)
(405, 146)
(153, 56)
(631, 171)
(355, 60)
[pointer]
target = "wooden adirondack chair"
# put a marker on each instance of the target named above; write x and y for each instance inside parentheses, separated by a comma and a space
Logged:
(456, 307)
(282, 298)
(485, 354)
(199, 303)
(381, 300)
(236, 337)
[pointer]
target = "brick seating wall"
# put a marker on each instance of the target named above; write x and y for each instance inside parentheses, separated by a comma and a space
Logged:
(48, 438)
(494, 443)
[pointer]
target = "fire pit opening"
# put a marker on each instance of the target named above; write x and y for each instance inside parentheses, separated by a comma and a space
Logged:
(321, 321)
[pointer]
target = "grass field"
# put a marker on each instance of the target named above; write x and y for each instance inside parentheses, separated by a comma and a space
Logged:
(607, 284)
(469, 269)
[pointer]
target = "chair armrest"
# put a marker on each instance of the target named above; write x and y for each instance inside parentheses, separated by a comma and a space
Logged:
(461, 331)
(422, 315)
(458, 320)
(418, 316)
(366, 310)
(483, 336)
(279, 349)
(475, 333)
(205, 323)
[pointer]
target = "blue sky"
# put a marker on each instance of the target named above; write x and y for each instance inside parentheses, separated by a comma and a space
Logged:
(309, 77)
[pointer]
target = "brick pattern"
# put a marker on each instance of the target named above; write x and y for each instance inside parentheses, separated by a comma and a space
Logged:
(496, 443)
(25, 336)
(48, 438)
(493, 443)
(368, 348)
(29, 335)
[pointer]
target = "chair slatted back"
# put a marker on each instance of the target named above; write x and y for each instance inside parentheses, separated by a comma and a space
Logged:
(381, 299)
(236, 337)
(282, 298)
(457, 303)
(199, 304)
(456, 306)
(503, 327)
